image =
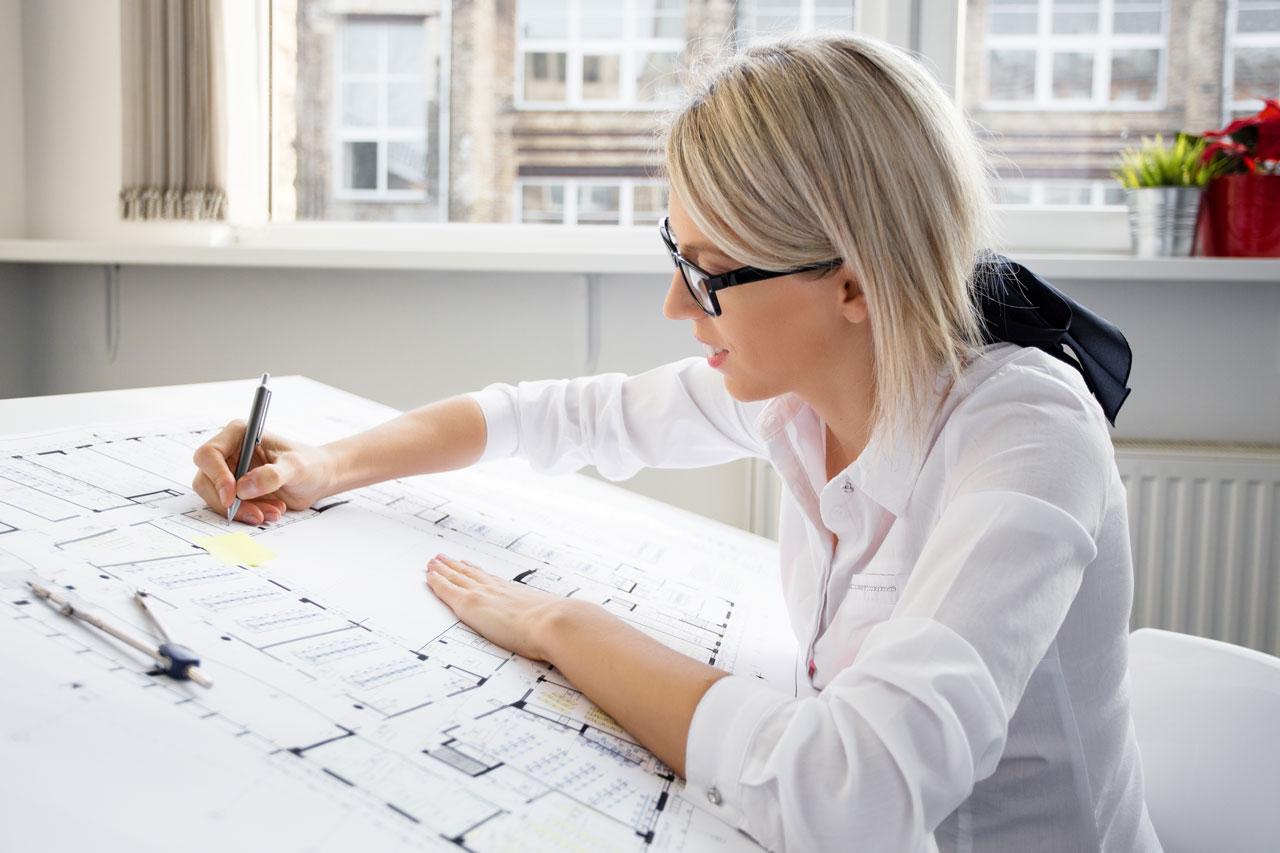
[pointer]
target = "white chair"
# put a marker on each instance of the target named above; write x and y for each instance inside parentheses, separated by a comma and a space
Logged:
(1207, 717)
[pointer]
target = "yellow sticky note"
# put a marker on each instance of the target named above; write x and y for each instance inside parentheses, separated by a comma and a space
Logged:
(236, 549)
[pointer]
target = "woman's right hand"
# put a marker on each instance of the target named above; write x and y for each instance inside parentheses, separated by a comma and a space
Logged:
(283, 475)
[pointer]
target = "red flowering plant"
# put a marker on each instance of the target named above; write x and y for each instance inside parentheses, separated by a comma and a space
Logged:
(1249, 145)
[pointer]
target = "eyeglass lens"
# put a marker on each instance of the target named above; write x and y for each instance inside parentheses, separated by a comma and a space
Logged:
(697, 284)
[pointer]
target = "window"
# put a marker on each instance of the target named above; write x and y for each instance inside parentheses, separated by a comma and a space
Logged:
(1252, 68)
(762, 19)
(1066, 192)
(1061, 87)
(381, 136)
(1075, 54)
(356, 111)
(590, 55)
(591, 201)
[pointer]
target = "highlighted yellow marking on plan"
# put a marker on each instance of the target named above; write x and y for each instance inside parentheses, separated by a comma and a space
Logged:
(237, 549)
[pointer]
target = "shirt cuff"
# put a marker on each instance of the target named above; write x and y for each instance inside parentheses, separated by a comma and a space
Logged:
(724, 724)
(501, 427)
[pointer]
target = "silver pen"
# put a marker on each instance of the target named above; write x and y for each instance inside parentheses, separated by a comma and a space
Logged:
(252, 435)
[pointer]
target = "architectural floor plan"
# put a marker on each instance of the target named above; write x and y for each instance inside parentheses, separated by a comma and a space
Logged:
(349, 708)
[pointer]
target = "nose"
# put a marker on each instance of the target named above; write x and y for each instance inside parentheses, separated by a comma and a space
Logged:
(680, 304)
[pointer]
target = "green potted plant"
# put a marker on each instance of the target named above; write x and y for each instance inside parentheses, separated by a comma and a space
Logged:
(1241, 211)
(1163, 186)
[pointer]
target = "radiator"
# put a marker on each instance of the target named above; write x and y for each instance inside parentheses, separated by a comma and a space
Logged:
(1205, 527)
(1204, 523)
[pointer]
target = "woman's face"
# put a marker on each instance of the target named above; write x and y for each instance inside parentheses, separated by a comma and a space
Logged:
(772, 337)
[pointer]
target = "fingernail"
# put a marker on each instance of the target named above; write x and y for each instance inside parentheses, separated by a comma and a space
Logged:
(225, 494)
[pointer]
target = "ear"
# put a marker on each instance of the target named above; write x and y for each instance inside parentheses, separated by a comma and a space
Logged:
(853, 302)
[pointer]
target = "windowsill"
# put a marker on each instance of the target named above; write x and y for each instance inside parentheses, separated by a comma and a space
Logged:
(544, 249)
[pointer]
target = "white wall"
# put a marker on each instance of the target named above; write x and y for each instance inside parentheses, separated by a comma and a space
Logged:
(1206, 363)
(13, 214)
(16, 377)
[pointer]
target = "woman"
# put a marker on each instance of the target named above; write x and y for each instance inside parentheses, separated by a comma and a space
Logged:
(953, 542)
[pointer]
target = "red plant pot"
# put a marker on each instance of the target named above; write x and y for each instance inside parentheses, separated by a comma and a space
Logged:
(1240, 217)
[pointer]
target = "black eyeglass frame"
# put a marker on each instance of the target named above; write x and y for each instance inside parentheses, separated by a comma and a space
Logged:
(732, 278)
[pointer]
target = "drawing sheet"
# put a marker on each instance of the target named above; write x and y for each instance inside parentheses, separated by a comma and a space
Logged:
(350, 708)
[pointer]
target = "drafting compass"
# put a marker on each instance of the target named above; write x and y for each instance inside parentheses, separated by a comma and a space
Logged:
(175, 661)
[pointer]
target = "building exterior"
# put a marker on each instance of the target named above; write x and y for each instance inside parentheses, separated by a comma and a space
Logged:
(545, 111)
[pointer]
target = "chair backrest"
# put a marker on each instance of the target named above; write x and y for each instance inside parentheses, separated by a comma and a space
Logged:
(1207, 717)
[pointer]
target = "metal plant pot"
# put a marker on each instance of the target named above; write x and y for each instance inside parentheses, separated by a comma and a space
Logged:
(1162, 220)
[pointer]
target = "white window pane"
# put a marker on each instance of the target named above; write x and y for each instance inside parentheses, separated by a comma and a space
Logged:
(837, 17)
(544, 19)
(544, 77)
(603, 20)
(360, 165)
(1258, 17)
(405, 105)
(598, 205)
(1068, 193)
(1075, 19)
(406, 166)
(360, 104)
(542, 203)
(1011, 75)
(1257, 73)
(660, 18)
(1011, 192)
(649, 204)
(1012, 17)
(656, 79)
(1137, 22)
(405, 48)
(360, 42)
(1134, 75)
(601, 77)
(1072, 76)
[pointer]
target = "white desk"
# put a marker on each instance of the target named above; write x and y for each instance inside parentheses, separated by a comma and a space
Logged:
(349, 708)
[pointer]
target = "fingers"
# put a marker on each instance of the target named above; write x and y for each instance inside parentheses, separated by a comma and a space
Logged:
(211, 458)
(251, 512)
(443, 586)
(267, 478)
(461, 568)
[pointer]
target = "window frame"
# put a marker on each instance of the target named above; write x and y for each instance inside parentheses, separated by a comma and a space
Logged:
(808, 12)
(574, 46)
(1233, 39)
(1044, 43)
(571, 184)
(340, 133)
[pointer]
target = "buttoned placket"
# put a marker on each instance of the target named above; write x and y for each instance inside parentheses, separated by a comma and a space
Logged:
(790, 467)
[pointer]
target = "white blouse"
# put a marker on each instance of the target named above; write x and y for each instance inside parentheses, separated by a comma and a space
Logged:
(965, 684)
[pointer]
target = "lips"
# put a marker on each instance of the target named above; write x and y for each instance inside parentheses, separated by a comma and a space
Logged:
(715, 355)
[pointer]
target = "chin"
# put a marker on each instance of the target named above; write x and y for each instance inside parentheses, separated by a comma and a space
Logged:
(749, 392)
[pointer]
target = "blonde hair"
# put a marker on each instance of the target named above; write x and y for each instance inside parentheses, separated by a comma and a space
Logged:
(841, 146)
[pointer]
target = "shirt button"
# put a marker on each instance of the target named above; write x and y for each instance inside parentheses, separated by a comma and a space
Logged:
(847, 487)
(713, 796)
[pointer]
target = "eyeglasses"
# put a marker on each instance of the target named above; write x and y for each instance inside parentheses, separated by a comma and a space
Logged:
(703, 285)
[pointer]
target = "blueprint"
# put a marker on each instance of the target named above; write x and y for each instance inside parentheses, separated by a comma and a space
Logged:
(350, 708)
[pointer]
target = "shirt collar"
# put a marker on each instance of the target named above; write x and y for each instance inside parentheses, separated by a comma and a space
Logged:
(887, 470)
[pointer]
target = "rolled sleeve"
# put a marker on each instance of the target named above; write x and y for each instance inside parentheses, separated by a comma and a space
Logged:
(724, 725)
(502, 436)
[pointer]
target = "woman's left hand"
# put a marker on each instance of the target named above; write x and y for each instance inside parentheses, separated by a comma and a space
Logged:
(504, 612)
